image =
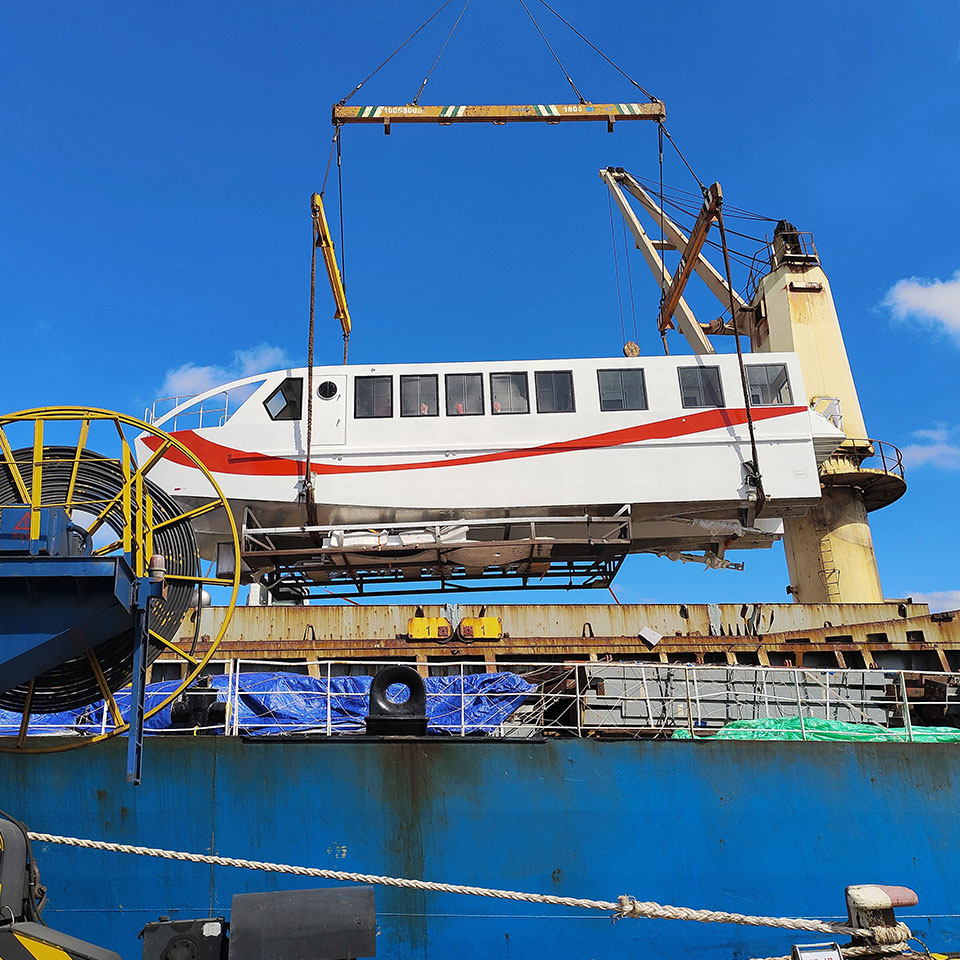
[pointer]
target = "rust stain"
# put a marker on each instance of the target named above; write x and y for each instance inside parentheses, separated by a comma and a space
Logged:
(407, 788)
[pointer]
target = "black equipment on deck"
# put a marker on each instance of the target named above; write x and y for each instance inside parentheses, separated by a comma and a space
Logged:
(388, 718)
(337, 923)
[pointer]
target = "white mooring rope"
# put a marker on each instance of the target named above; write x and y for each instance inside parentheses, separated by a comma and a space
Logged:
(885, 940)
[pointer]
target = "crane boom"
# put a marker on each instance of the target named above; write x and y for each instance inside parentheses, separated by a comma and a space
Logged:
(712, 201)
(502, 113)
(325, 242)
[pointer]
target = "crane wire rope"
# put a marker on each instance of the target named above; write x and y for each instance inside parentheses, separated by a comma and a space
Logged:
(616, 267)
(343, 253)
(333, 147)
(633, 301)
(662, 132)
(432, 16)
(732, 211)
(755, 475)
(308, 492)
(416, 99)
(663, 264)
(554, 52)
(596, 49)
(308, 489)
(756, 478)
(686, 163)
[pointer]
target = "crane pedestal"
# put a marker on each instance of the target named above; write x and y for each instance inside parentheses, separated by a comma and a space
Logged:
(830, 553)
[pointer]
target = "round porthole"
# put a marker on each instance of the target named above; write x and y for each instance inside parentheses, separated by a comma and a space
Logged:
(327, 390)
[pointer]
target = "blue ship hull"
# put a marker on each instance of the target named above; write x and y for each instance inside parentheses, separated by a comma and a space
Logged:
(759, 827)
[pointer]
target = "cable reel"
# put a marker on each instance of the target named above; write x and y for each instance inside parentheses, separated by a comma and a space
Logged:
(71, 500)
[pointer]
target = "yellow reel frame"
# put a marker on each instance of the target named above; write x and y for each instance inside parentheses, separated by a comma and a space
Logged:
(135, 538)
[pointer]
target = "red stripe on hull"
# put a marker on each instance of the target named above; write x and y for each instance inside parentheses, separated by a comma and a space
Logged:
(226, 460)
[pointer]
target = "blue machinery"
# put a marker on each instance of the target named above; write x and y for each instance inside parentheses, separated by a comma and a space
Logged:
(99, 571)
(58, 601)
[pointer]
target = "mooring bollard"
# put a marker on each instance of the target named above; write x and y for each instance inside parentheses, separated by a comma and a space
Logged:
(872, 905)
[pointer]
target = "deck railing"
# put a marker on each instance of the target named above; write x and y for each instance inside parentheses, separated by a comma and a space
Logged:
(620, 699)
(599, 699)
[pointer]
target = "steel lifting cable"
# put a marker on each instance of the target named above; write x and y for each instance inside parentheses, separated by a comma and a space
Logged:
(453, 30)
(673, 143)
(756, 478)
(308, 493)
(663, 266)
(738, 213)
(343, 254)
(554, 52)
(333, 147)
(432, 17)
(308, 490)
(596, 49)
(616, 267)
(633, 300)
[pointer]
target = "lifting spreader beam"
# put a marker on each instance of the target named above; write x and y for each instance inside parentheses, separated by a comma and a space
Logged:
(498, 114)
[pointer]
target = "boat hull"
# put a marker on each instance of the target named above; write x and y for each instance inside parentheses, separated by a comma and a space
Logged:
(769, 828)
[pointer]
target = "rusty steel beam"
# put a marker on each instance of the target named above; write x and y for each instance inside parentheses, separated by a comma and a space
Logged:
(691, 254)
(383, 622)
(280, 633)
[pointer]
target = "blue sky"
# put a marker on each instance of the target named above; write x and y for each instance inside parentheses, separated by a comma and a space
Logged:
(157, 162)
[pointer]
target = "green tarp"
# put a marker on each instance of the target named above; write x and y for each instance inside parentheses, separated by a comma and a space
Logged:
(789, 728)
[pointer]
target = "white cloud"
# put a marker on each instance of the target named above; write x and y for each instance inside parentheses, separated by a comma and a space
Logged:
(939, 599)
(940, 447)
(934, 303)
(191, 379)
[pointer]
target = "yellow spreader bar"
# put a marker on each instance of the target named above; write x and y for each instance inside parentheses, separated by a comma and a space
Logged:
(324, 242)
(498, 113)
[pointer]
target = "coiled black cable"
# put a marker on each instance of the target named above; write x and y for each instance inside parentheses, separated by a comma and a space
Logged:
(99, 479)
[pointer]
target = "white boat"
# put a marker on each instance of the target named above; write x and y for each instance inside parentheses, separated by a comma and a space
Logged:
(496, 464)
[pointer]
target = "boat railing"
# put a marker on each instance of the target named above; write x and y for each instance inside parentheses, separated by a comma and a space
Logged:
(885, 457)
(212, 411)
(598, 699)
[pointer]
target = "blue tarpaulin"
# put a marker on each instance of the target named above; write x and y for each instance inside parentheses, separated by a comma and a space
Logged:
(272, 703)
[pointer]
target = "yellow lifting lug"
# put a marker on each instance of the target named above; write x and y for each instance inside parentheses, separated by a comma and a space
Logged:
(429, 628)
(480, 628)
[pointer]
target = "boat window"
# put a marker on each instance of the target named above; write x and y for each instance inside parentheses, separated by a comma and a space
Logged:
(464, 394)
(622, 390)
(700, 387)
(372, 397)
(213, 410)
(286, 402)
(418, 396)
(327, 390)
(554, 391)
(768, 384)
(509, 393)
